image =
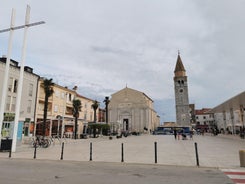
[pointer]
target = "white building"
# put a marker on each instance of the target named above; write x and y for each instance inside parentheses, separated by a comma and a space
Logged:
(229, 115)
(28, 98)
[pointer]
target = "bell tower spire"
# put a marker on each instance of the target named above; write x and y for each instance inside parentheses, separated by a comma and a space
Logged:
(179, 68)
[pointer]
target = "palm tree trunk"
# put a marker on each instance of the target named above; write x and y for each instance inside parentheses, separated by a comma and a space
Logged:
(75, 133)
(95, 115)
(45, 111)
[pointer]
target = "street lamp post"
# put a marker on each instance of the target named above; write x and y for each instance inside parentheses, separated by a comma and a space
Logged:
(58, 127)
(63, 116)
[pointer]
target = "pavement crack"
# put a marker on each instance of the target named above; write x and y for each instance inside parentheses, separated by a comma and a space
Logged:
(58, 177)
(138, 175)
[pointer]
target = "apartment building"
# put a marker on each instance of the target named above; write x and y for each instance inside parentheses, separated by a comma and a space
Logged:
(204, 119)
(60, 120)
(28, 99)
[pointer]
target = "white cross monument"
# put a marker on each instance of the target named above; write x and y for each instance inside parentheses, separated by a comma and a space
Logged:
(6, 75)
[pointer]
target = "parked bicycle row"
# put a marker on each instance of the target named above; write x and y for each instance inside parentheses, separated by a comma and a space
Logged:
(43, 142)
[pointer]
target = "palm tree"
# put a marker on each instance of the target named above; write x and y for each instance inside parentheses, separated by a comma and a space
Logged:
(106, 101)
(48, 90)
(95, 106)
(76, 109)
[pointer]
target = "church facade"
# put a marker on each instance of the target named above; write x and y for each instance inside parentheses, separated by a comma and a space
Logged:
(181, 94)
(132, 111)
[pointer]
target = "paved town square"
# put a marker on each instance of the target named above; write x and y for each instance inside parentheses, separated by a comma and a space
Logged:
(220, 151)
(57, 172)
(175, 159)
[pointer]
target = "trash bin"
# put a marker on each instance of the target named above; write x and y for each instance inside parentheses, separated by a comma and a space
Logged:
(6, 144)
(242, 158)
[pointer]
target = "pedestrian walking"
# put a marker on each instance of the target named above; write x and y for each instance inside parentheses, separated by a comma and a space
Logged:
(191, 134)
(175, 134)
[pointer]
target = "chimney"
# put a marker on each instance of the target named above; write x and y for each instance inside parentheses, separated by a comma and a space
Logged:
(75, 88)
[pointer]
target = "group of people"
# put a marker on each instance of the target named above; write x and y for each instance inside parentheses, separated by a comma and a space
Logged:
(178, 134)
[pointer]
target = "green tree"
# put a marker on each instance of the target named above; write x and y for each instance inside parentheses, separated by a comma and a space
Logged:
(76, 109)
(100, 127)
(48, 90)
(95, 106)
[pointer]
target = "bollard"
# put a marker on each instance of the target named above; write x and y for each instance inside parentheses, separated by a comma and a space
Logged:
(122, 154)
(35, 151)
(155, 152)
(90, 159)
(242, 158)
(10, 151)
(62, 151)
(197, 158)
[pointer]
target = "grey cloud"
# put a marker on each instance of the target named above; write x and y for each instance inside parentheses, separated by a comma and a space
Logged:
(108, 50)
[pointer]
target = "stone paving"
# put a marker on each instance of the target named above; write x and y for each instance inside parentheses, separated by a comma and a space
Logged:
(214, 151)
(29, 171)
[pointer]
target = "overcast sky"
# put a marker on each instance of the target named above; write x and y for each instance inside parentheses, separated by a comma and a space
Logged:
(103, 45)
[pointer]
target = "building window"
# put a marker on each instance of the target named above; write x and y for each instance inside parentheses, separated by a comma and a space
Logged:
(29, 106)
(10, 84)
(56, 108)
(15, 85)
(181, 82)
(69, 96)
(61, 108)
(62, 95)
(30, 89)
(85, 115)
(57, 94)
(41, 107)
(13, 104)
(8, 101)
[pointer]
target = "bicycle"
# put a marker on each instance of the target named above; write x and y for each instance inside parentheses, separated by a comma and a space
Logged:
(40, 141)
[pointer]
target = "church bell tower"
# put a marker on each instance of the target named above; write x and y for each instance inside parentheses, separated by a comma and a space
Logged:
(181, 94)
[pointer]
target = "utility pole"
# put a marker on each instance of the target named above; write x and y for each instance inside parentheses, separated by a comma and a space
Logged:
(20, 83)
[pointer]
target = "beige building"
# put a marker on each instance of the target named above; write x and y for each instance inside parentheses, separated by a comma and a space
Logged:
(60, 110)
(132, 111)
(28, 98)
